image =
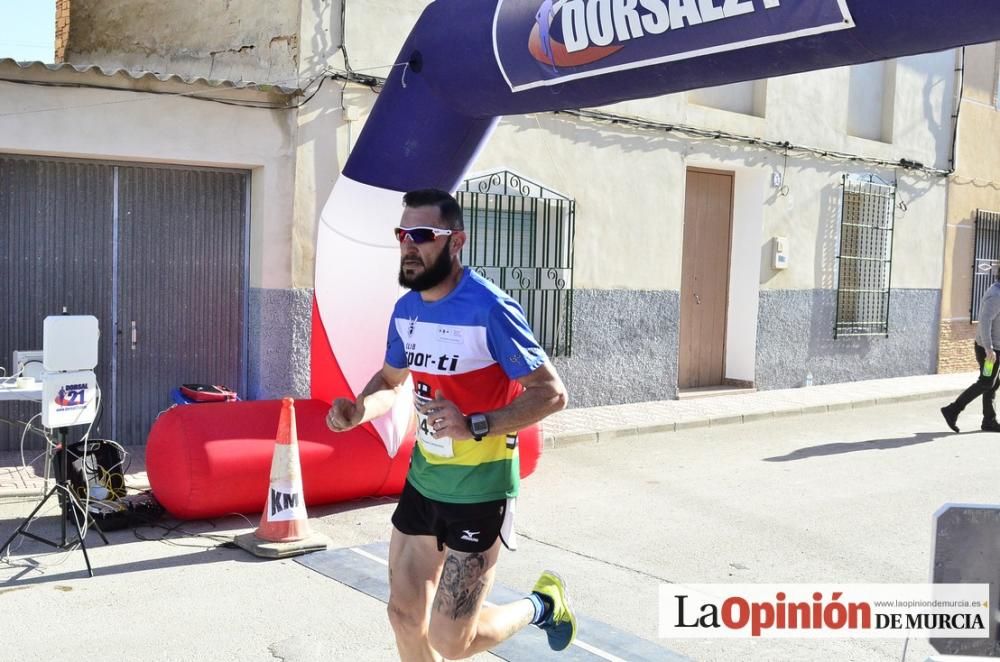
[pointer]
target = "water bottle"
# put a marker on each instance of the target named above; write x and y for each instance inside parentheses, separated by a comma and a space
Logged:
(809, 378)
(987, 368)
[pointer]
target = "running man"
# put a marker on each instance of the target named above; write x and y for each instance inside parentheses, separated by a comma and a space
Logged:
(479, 376)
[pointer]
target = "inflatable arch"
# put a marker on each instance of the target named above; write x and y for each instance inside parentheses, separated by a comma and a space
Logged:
(467, 64)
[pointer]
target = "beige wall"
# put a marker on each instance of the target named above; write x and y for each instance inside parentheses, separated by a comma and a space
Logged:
(129, 126)
(320, 36)
(328, 126)
(375, 31)
(249, 40)
(981, 71)
(975, 185)
(321, 151)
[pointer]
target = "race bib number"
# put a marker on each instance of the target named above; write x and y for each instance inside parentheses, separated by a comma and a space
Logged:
(440, 446)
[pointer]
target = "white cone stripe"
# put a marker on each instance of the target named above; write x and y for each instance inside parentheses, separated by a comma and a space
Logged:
(285, 464)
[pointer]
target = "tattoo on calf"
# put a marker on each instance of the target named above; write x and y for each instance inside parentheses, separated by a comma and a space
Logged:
(462, 583)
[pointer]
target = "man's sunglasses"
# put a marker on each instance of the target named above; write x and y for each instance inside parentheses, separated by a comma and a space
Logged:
(420, 235)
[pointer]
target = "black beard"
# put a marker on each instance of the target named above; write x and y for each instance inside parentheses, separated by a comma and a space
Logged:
(432, 275)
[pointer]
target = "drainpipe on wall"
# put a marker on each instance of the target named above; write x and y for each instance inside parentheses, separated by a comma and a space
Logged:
(959, 93)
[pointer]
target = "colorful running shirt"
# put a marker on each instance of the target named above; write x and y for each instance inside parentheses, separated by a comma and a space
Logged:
(471, 345)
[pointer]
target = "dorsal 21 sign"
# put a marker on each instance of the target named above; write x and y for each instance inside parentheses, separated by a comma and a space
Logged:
(548, 42)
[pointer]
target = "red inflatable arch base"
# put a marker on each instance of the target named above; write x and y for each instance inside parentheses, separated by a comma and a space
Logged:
(208, 460)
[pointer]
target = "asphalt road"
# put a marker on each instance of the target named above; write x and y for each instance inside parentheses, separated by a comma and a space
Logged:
(838, 497)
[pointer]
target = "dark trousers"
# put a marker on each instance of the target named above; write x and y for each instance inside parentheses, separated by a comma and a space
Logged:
(984, 386)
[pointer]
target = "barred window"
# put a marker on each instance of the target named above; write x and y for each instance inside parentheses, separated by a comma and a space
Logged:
(987, 253)
(520, 237)
(864, 261)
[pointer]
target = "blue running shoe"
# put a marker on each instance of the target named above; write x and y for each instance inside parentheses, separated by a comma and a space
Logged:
(560, 626)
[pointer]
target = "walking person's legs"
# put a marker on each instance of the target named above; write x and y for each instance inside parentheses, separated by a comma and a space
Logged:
(990, 423)
(975, 390)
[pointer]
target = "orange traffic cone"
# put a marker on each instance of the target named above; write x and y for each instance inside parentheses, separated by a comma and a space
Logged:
(284, 525)
(284, 518)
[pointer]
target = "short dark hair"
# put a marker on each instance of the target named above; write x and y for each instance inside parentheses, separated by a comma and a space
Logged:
(451, 212)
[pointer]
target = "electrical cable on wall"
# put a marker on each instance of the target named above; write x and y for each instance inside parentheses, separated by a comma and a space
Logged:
(782, 147)
(783, 189)
(960, 70)
(978, 183)
(199, 95)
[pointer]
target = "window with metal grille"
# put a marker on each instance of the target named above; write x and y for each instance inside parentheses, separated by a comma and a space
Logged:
(987, 255)
(520, 237)
(864, 261)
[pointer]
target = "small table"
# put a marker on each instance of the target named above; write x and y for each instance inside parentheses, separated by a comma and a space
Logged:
(32, 392)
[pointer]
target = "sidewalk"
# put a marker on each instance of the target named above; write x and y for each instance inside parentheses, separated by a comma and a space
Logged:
(603, 424)
(18, 483)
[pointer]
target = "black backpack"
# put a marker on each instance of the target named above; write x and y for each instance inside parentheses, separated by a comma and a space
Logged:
(96, 463)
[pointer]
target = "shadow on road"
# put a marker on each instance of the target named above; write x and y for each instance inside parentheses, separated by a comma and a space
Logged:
(855, 446)
(29, 557)
(31, 564)
(348, 506)
(209, 537)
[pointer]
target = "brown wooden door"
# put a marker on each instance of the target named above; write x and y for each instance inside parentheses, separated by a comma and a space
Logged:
(708, 206)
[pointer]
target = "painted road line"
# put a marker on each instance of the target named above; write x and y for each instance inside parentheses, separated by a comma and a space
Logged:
(582, 644)
(363, 568)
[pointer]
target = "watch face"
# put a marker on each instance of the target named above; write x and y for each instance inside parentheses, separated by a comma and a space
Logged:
(479, 424)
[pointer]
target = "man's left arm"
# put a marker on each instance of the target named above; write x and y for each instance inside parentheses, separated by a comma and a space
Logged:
(543, 394)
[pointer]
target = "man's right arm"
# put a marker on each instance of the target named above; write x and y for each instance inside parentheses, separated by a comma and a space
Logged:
(375, 399)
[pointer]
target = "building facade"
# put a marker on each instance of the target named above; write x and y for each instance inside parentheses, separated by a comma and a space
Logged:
(158, 204)
(972, 239)
(762, 234)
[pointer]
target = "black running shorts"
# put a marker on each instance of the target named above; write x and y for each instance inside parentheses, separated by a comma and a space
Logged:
(463, 527)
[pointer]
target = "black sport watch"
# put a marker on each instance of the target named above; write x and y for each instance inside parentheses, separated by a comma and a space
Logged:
(479, 425)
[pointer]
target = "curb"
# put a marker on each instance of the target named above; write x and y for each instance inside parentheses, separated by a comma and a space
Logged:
(20, 494)
(556, 441)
